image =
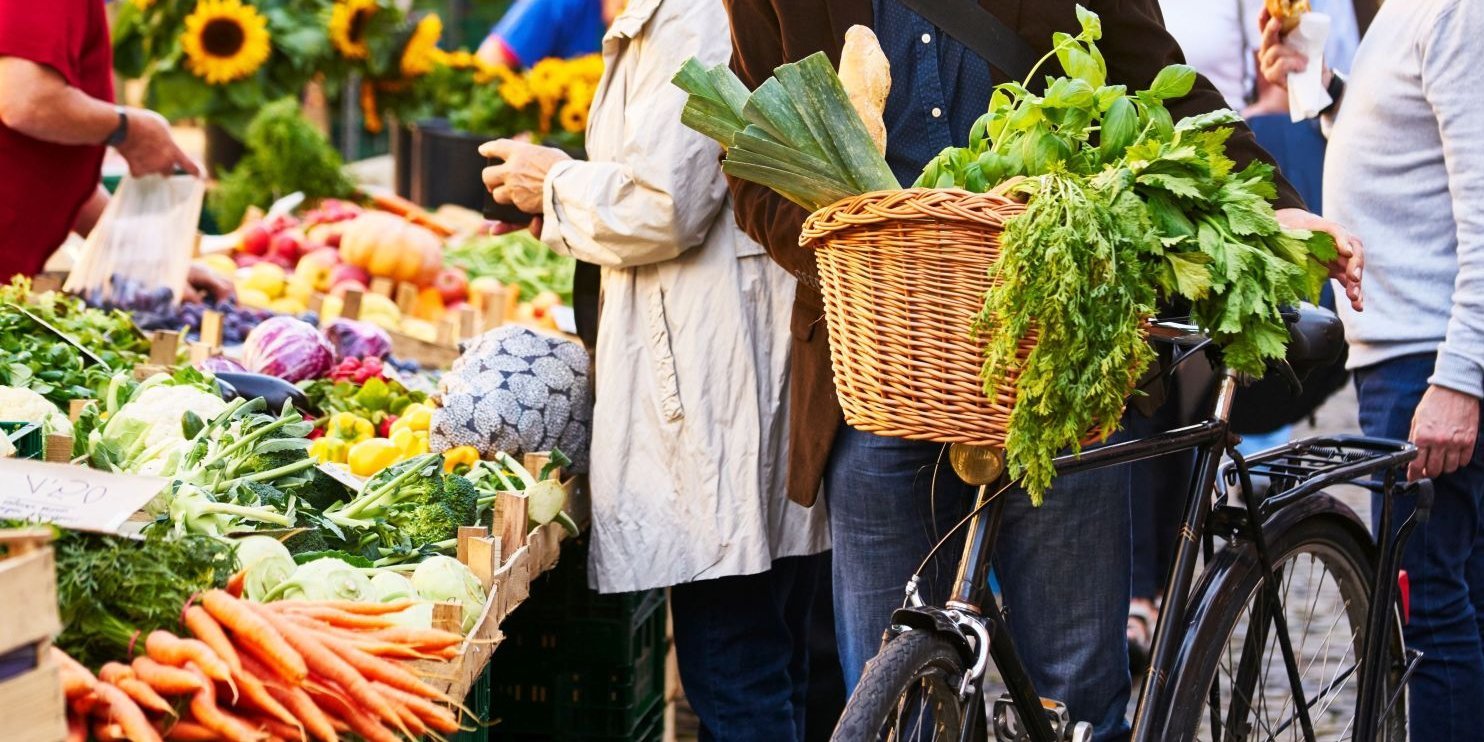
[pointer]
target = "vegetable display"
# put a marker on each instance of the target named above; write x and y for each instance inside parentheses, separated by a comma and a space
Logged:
(24, 405)
(1125, 208)
(516, 258)
(137, 427)
(35, 358)
(352, 339)
(288, 670)
(289, 349)
(389, 246)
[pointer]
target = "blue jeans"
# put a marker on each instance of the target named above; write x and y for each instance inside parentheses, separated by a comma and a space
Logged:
(1063, 568)
(1444, 561)
(741, 644)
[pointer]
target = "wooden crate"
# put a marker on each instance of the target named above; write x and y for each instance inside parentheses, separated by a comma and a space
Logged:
(31, 703)
(505, 557)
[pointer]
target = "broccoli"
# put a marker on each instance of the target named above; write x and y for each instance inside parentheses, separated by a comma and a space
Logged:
(462, 496)
(320, 491)
(310, 539)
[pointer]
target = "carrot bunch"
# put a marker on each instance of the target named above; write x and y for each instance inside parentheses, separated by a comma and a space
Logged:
(292, 670)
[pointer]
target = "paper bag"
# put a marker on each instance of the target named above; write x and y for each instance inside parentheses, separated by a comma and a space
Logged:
(1307, 95)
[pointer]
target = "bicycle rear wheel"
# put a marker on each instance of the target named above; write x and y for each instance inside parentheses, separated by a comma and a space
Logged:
(909, 693)
(1231, 682)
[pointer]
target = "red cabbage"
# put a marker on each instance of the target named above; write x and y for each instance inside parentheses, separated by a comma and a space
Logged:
(218, 364)
(291, 349)
(355, 339)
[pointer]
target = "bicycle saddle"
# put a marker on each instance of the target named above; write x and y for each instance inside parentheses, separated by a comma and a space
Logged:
(1315, 337)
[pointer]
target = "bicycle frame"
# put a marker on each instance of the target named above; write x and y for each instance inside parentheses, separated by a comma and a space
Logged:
(971, 600)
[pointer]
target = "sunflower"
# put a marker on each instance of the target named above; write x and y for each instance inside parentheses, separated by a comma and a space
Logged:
(485, 73)
(548, 80)
(419, 54)
(224, 41)
(462, 59)
(143, 4)
(516, 92)
(573, 117)
(348, 23)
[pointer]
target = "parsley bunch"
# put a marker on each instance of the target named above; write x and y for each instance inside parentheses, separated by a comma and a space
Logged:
(1125, 207)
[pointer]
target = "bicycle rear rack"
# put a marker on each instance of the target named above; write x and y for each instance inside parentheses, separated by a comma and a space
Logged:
(1301, 468)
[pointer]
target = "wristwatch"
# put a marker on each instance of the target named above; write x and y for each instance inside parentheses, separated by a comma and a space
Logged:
(1336, 90)
(121, 132)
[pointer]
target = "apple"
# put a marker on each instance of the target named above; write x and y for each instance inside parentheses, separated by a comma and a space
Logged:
(318, 267)
(452, 284)
(349, 273)
(255, 239)
(482, 287)
(287, 245)
(333, 239)
(245, 260)
(280, 261)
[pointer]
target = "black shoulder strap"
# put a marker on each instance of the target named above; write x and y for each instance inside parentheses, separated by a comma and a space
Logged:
(981, 31)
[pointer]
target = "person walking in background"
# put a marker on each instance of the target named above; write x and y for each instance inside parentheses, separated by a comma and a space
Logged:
(690, 428)
(1406, 170)
(532, 30)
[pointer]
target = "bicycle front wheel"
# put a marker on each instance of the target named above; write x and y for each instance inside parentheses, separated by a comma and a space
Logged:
(909, 693)
(1231, 681)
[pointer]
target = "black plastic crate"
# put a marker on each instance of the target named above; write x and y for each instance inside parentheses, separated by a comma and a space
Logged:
(479, 701)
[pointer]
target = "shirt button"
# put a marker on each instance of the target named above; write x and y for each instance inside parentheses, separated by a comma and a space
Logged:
(927, 38)
(937, 112)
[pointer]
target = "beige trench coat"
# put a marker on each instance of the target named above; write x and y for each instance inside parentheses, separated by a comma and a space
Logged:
(689, 429)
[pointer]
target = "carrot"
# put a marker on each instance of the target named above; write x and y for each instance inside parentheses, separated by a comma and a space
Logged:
(76, 679)
(342, 619)
(277, 728)
(382, 671)
(204, 627)
(360, 721)
(438, 718)
(190, 731)
(416, 637)
(256, 634)
(123, 711)
(166, 680)
(296, 700)
(123, 676)
(77, 728)
(105, 732)
(236, 582)
(205, 710)
(347, 606)
(257, 695)
(329, 665)
(169, 649)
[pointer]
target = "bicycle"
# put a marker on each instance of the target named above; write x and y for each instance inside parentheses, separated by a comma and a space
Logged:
(1225, 664)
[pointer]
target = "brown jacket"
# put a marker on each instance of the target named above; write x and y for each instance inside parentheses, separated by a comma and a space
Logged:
(768, 33)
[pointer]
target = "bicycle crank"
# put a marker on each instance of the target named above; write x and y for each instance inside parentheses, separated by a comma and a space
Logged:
(1007, 726)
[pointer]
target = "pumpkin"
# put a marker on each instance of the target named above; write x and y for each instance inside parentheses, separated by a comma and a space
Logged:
(389, 246)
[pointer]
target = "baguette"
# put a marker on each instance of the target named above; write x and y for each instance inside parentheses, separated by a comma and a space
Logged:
(866, 76)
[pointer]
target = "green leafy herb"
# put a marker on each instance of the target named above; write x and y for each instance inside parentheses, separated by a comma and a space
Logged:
(285, 153)
(38, 360)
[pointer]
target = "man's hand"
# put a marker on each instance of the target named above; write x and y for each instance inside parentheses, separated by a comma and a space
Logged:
(149, 148)
(519, 180)
(1349, 265)
(1276, 59)
(1445, 431)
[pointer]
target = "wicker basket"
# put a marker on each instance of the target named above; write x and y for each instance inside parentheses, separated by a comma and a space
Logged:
(903, 275)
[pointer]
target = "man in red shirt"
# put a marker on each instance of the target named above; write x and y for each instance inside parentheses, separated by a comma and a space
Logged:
(56, 117)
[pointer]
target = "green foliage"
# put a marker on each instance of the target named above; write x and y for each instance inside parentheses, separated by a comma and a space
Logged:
(112, 590)
(1125, 208)
(285, 153)
(37, 359)
(515, 257)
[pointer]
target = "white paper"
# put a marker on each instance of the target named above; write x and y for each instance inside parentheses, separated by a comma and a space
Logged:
(1307, 95)
(73, 497)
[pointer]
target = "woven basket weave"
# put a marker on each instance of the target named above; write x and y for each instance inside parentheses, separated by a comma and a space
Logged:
(903, 274)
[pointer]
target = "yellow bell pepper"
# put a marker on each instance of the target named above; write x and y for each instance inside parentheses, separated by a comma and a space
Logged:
(329, 450)
(349, 427)
(410, 443)
(371, 456)
(460, 459)
(417, 416)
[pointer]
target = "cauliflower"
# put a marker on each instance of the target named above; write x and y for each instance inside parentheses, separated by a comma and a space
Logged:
(24, 405)
(145, 434)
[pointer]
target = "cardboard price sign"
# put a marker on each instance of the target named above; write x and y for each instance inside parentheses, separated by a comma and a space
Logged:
(73, 497)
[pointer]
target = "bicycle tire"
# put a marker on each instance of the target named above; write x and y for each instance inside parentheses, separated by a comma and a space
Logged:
(889, 680)
(1231, 591)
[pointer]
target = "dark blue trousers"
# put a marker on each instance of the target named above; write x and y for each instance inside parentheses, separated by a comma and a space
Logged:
(1444, 561)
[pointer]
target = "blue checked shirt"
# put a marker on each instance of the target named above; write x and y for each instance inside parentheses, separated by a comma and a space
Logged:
(938, 89)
